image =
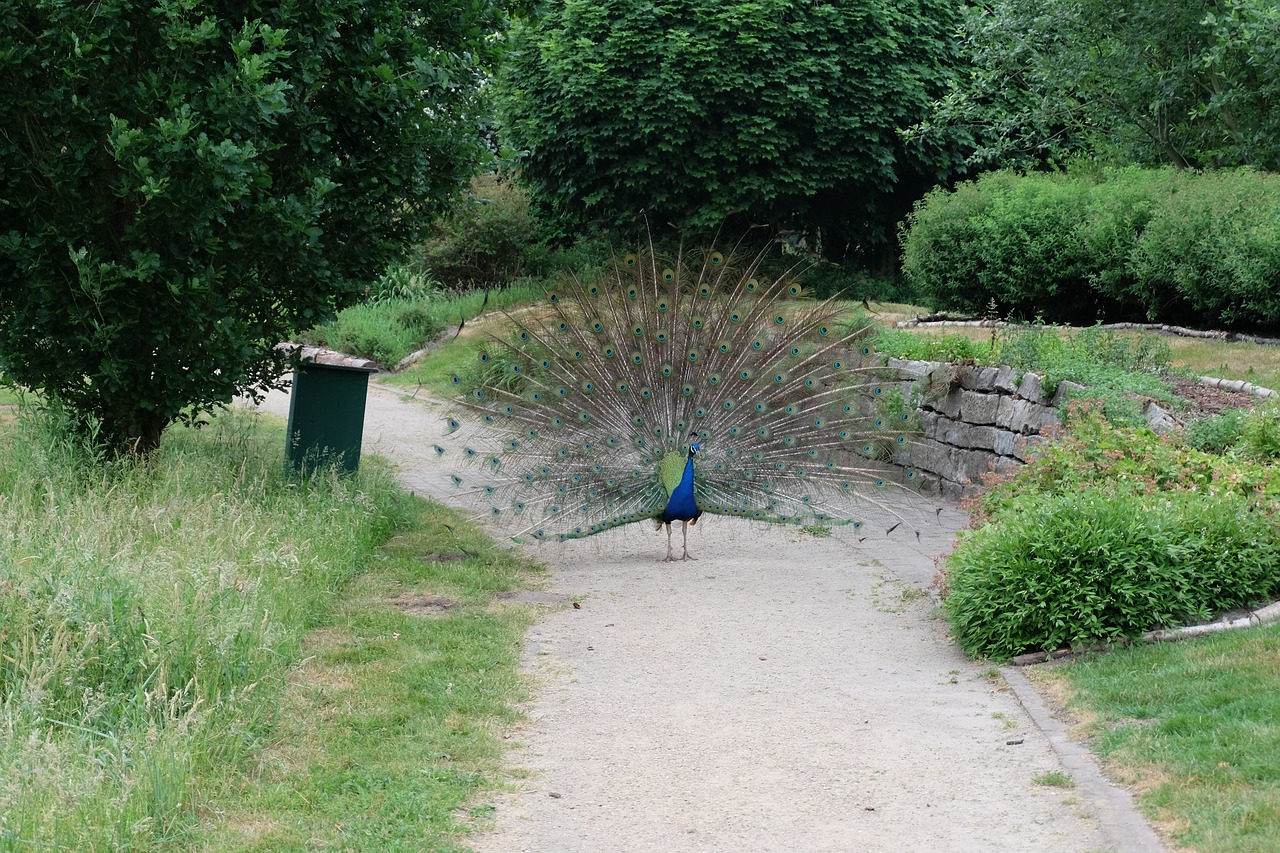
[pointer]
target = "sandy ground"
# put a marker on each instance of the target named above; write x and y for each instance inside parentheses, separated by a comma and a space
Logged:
(783, 692)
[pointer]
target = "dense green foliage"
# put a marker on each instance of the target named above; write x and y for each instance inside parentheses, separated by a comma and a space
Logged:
(183, 185)
(149, 614)
(1108, 533)
(1187, 83)
(694, 110)
(1150, 245)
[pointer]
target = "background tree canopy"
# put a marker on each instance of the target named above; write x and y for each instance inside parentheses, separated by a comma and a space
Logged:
(185, 184)
(694, 110)
(1132, 81)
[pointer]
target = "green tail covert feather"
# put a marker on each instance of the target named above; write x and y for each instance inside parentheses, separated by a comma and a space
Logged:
(587, 408)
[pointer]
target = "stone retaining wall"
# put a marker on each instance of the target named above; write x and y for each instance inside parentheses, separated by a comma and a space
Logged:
(973, 420)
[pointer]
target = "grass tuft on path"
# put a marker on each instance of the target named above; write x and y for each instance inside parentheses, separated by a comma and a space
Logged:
(1194, 727)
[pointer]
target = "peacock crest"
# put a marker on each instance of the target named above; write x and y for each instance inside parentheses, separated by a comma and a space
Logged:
(671, 388)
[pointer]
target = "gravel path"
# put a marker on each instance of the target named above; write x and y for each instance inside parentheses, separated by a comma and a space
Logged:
(782, 693)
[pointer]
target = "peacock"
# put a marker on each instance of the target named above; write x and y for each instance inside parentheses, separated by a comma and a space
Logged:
(669, 388)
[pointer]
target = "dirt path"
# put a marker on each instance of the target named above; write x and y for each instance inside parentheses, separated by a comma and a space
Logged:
(782, 693)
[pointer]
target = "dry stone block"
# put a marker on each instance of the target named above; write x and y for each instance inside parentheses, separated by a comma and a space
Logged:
(977, 378)
(1032, 388)
(1024, 416)
(950, 404)
(1005, 380)
(1027, 447)
(978, 408)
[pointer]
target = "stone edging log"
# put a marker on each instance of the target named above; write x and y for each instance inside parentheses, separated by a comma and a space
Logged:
(1261, 616)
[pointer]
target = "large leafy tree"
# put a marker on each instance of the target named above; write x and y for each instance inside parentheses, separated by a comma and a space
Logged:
(183, 184)
(692, 110)
(1147, 81)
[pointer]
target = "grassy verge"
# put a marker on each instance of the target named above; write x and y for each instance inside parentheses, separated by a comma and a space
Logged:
(390, 726)
(390, 329)
(1194, 727)
(152, 622)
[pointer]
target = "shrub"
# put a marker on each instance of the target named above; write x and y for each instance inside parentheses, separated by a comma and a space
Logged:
(1131, 244)
(489, 237)
(1094, 566)
(1215, 434)
(384, 331)
(1111, 532)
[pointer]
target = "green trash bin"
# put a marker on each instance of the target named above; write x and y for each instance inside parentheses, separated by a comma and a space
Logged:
(326, 416)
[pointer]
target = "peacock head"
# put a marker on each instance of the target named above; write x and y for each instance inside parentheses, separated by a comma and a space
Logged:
(693, 449)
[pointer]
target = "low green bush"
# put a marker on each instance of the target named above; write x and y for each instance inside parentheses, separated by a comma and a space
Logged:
(1110, 532)
(1162, 245)
(1216, 434)
(1094, 566)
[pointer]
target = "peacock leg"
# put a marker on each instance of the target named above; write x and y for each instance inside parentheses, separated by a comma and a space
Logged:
(684, 528)
(670, 558)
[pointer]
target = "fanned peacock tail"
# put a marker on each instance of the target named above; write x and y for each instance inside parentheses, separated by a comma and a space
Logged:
(602, 389)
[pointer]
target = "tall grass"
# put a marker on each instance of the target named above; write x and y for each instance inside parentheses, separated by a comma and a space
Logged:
(148, 614)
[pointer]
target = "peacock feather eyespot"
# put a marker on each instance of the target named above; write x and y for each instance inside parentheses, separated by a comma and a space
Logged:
(790, 410)
(612, 441)
(778, 320)
(661, 337)
(704, 291)
(457, 481)
(633, 293)
(668, 275)
(724, 346)
(588, 386)
(638, 420)
(750, 285)
(594, 290)
(700, 413)
(631, 261)
(714, 379)
(879, 483)
(866, 350)
(819, 423)
(563, 452)
(764, 432)
(577, 354)
(536, 396)
(877, 391)
(637, 330)
(524, 336)
(584, 416)
(554, 297)
(789, 440)
(496, 512)
(509, 409)
(757, 344)
(837, 364)
(558, 422)
(716, 259)
(694, 355)
(531, 432)
(729, 405)
(489, 419)
(735, 317)
(795, 350)
(546, 363)
(646, 392)
(733, 430)
(848, 408)
(478, 394)
(902, 439)
(457, 380)
(597, 326)
(622, 388)
(608, 352)
(809, 383)
(823, 330)
(879, 422)
(758, 456)
(794, 290)
(469, 452)
(687, 390)
(544, 471)
(637, 358)
(699, 322)
(731, 452)
(813, 454)
(663, 305)
(564, 327)
(562, 391)
(761, 407)
(906, 416)
(667, 370)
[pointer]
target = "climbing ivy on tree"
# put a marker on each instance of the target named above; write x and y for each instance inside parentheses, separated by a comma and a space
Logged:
(694, 110)
(183, 184)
